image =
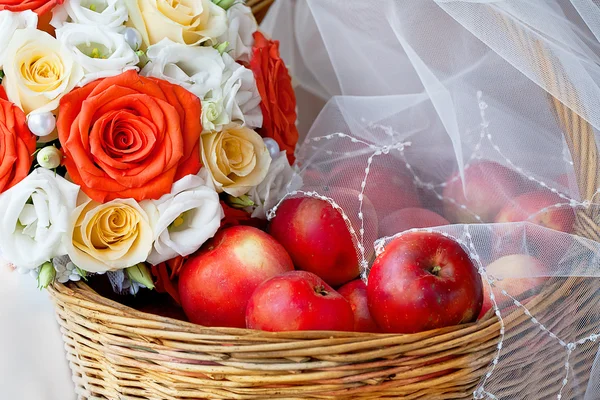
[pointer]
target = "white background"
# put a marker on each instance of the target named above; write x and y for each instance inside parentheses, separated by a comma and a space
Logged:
(32, 357)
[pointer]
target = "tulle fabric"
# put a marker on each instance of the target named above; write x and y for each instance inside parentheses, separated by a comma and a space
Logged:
(400, 98)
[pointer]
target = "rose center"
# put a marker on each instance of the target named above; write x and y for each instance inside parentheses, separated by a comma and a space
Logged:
(239, 154)
(112, 226)
(126, 137)
(184, 12)
(42, 73)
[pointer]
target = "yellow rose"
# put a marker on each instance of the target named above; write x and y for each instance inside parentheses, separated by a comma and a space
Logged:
(110, 236)
(38, 71)
(236, 158)
(183, 21)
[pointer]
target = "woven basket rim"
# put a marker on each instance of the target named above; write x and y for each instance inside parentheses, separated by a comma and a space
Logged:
(82, 295)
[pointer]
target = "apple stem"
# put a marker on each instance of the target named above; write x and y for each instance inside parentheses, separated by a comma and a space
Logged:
(321, 290)
(436, 270)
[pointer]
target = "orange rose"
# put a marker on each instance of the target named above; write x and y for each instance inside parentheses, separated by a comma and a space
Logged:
(17, 144)
(278, 99)
(38, 6)
(129, 136)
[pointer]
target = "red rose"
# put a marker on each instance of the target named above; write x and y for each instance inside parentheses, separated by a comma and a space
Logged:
(17, 144)
(38, 6)
(129, 136)
(236, 216)
(278, 99)
(166, 275)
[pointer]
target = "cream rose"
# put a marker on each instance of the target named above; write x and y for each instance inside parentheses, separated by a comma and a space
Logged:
(188, 22)
(38, 71)
(9, 23)
(110, 236)
(236, 158)
(241, 27)
(185, 218)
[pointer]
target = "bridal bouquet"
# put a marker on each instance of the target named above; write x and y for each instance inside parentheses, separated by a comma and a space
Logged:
(131, 131)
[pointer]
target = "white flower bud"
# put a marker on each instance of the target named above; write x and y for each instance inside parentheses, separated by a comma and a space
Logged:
(49, 157)
(46, 275)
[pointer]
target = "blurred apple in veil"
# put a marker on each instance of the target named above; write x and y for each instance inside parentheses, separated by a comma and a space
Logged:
(489, 187)
(515, 273)
(356, 294)
(389, 185)
(298, 301)
(409, 218)
(539, 208)
(217, 282)
(423, 281)
(317, 237)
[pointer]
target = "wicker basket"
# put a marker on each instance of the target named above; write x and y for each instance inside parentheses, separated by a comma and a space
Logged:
(116, 352)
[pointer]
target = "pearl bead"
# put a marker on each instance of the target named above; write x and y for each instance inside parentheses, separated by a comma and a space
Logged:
(41, 124)
(133, 38)
(272, 146)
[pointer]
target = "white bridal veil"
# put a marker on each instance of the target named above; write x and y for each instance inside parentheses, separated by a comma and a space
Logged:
(419, 93)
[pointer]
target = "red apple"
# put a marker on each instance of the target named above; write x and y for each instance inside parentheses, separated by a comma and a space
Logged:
(548, 246)
(356, 294)
(217, 282)
(527, 207)
(317, 238)
(489, 186)
(298, 301)
(349, 201)
(409, 218)
(423, 281)
(517, 274)
(388, 186)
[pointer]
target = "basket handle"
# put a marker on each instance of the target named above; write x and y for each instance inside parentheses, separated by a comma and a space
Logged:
(259, 7)
(579, 134)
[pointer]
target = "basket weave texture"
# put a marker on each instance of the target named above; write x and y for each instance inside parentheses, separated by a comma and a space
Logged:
(116, 352)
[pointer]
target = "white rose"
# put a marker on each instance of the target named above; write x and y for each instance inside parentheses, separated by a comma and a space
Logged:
(38, 70)
(108, 14)
(280, 180)
(241, 99)
(9, 23)
(101, 53)
(198, 69)
(213, 115)
(226, 87)
(242, 26)
(185, 218)
(35, 218)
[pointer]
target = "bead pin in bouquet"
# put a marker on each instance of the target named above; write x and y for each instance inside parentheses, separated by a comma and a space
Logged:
(132, 133)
